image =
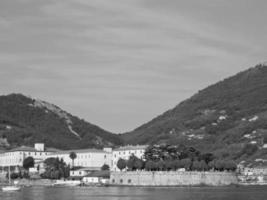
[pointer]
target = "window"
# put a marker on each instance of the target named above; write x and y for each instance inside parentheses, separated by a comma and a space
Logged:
(121, 181)
(113, 180)
(129, 181)
(105, 156)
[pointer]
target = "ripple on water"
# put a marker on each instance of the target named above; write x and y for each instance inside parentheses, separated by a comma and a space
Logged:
(138, 193)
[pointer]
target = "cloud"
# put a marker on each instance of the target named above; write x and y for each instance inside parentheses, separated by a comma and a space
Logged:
(120, 63)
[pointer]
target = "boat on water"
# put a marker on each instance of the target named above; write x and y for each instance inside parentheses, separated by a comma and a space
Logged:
(67, 183)
(10, 187)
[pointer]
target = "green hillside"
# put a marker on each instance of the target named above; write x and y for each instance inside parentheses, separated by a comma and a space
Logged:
(228, 118)
(24, 121)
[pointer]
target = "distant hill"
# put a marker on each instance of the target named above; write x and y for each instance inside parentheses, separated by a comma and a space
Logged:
(228, 118)
(24, 121)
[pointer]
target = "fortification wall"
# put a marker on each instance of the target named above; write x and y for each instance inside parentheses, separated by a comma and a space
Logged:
(144, 178)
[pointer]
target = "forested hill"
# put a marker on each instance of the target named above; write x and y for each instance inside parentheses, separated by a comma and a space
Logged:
(24, 121)
(228, 118)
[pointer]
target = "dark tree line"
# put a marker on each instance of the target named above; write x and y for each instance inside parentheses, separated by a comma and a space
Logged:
(56, 169)
(172, 158)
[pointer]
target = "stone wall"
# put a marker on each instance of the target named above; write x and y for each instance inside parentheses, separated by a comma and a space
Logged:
(144, 178)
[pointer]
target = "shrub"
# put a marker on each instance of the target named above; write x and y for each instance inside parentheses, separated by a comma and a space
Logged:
(121, 164)
(105, 167)
(28, 163)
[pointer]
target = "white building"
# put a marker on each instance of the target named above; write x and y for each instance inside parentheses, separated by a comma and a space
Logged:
(95, 158)
(16, 156)
(86, 158)
(95, 178)
(125, 152)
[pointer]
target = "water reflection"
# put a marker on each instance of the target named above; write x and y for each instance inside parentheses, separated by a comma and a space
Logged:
(128, 193)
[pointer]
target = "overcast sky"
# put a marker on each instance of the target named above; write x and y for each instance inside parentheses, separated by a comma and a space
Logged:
(120, 63)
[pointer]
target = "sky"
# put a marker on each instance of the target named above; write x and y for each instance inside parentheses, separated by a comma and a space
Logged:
(120, 63)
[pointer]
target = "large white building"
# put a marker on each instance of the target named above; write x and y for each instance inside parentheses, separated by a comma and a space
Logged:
(16, 156)
(94, 158)
(125, 152)
(86, 158)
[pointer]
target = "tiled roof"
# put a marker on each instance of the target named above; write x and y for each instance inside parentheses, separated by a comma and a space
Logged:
(81, 151)
(23, 148)
(51, 149)
(104, 174)
(88, 169)
(31, 149)
(129, 147)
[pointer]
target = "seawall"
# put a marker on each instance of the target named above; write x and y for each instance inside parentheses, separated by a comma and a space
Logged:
(145, 178)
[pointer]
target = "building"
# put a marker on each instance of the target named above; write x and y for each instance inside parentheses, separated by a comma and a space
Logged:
(95, 158)
(125, 152)
(15, 157)
(255, 171)
(86, 158)
(96, 178)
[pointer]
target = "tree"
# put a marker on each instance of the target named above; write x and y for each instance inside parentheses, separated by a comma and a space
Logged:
(105, 167)
(130, 163)
(73, 156)
(56, 169)
(139, 164)
(161, 165)
(207, 157)
(230, 165)
(212, 164)
(195, 166)
(249, 149)
(203, 166)
(186, 163)
(177, 164)
(28, 163)
(169, 165)
(121, 164)
(149, 165)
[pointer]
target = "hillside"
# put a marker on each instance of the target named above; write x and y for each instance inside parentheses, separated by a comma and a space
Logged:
(24, 121)
(228, 118)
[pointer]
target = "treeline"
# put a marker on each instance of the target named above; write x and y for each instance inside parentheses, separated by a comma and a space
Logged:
(55, 169)
(172, 158)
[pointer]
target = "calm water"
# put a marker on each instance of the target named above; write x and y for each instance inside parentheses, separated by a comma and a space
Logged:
(116, 193)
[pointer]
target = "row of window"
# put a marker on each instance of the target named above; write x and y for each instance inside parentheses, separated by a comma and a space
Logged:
(129, 181)
(26, 153)
(129, 153)
(85, 156)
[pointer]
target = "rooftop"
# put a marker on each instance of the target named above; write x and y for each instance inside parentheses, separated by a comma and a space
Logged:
(130, 147)
(23, 148)
(81, 151)
(103, 174)
(30, 149)
(87, 169)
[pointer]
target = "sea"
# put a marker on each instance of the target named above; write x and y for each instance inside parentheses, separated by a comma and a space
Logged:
(138, 193)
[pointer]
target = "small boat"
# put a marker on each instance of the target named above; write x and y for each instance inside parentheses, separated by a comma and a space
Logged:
(10, 187)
